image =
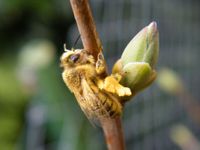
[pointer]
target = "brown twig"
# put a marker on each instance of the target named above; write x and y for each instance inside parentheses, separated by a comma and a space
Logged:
(86, 26)
(113, 133)
(91, 42)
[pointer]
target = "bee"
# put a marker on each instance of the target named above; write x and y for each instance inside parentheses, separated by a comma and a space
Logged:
(97, 94)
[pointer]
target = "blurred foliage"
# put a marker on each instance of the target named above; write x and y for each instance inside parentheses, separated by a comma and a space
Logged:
(169, 81)
(184, 138)
(12, 104)
(37, 111)
(22, 20)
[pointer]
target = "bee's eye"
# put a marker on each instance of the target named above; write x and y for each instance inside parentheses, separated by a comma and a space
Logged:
(74, 58)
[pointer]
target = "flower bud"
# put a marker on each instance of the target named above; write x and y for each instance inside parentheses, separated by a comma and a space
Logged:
(144, 47)
(137, 76)
(139, 58)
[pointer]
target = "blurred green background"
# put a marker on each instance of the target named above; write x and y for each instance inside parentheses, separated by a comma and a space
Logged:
(37, 112)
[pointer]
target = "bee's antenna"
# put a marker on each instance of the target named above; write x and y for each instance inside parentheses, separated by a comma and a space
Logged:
(65, 49)
(76, 41)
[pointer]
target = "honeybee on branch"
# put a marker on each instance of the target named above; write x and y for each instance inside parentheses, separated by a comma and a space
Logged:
(96, 94)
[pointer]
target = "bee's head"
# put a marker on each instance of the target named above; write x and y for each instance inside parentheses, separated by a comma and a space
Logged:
(72, 58)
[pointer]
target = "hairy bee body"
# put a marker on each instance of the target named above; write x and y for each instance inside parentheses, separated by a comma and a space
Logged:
(81, 77)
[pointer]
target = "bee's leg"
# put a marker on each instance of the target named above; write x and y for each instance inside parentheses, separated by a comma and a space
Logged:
(112, 85)
(100, 64)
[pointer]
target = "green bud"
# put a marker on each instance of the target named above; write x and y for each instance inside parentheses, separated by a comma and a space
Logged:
(139, 59)
(134, 72)
(144, 47)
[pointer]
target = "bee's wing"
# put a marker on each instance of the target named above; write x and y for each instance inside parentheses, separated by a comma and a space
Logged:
(96, 104)
(90, 103)
(84, 106)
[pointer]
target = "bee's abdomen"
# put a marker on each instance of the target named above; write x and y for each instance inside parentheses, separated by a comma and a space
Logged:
(108, 107)
(112, 107)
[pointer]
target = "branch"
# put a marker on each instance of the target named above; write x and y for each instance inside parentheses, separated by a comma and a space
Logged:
(113, 133)
(91, 42)
(86, 26)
